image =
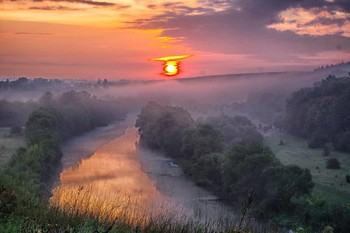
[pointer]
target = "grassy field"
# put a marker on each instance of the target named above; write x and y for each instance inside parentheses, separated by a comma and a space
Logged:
(328, 182)
(9, 144)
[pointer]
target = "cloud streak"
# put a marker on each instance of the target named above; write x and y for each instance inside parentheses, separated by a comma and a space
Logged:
(82, 2)
(53, 8)
(87, 2)
(314, 21)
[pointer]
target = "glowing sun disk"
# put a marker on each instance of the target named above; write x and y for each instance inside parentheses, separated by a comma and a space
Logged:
(171, 64)
(171, 68)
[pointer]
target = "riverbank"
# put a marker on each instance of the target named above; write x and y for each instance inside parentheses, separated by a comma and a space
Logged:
(190, 200)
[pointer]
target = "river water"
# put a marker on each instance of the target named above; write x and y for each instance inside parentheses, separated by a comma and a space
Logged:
(106, 174)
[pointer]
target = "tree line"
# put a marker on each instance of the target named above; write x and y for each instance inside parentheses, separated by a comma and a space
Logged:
(72, 104)
(321, 113)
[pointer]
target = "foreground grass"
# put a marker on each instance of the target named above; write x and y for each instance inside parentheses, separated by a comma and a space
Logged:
(81, 211)
(330, 183)
(9, 144)
(29, 214)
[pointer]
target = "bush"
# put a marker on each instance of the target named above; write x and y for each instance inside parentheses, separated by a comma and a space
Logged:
(328, 229)
(333, 163)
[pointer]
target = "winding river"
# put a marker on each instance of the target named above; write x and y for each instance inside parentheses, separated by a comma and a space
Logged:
(105, 173)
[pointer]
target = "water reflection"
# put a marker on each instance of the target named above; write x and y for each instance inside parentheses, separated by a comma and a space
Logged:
(109, 182)
(121, 181)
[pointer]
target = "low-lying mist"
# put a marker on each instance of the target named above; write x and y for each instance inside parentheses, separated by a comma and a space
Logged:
(213, 95)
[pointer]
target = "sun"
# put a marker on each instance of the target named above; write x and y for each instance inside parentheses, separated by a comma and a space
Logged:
(171, 64)
(171, 68)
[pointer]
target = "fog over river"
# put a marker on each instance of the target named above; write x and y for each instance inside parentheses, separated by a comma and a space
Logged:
(105, 172)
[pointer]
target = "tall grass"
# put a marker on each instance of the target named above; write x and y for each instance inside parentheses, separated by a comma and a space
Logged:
(79, 205)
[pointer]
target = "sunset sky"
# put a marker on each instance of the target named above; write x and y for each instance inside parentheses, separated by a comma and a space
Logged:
(116, 39)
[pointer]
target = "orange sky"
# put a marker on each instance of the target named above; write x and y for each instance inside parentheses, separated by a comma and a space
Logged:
(91, 39)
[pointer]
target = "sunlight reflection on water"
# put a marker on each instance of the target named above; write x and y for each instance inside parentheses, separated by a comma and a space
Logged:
(120, 181)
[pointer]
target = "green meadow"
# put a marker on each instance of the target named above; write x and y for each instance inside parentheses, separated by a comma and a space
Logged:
(330, 183)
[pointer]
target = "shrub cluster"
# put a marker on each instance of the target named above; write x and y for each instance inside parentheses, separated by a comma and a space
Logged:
(333, 163)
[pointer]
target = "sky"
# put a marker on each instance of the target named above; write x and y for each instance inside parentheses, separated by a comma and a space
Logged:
(117, 39)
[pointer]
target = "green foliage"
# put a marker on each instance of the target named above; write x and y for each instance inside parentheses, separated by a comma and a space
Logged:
(319, 214)
(235, 129)
(199, 140)
(253, 167)
(284, 183)
(321, 113)
(41, 124)
(243, 170)
(206, 171)
(161, 128)
(333, 163)
(328, 229)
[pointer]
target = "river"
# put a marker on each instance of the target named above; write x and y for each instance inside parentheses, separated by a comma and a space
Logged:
(106, 174)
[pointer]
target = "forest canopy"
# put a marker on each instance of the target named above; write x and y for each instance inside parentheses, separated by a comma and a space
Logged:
(321, 113)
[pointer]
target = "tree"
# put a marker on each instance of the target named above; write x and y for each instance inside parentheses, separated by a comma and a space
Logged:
(235, 129)
(46, 98)
(285, 182)
(253, 167)
(41, 125)
(207, 170)
(244, 170)
(162, 127)
(321, 113)
(333, 163)
(199, 140)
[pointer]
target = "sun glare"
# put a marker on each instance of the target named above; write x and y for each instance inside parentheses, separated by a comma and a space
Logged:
(171, 68)
(171, 64)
